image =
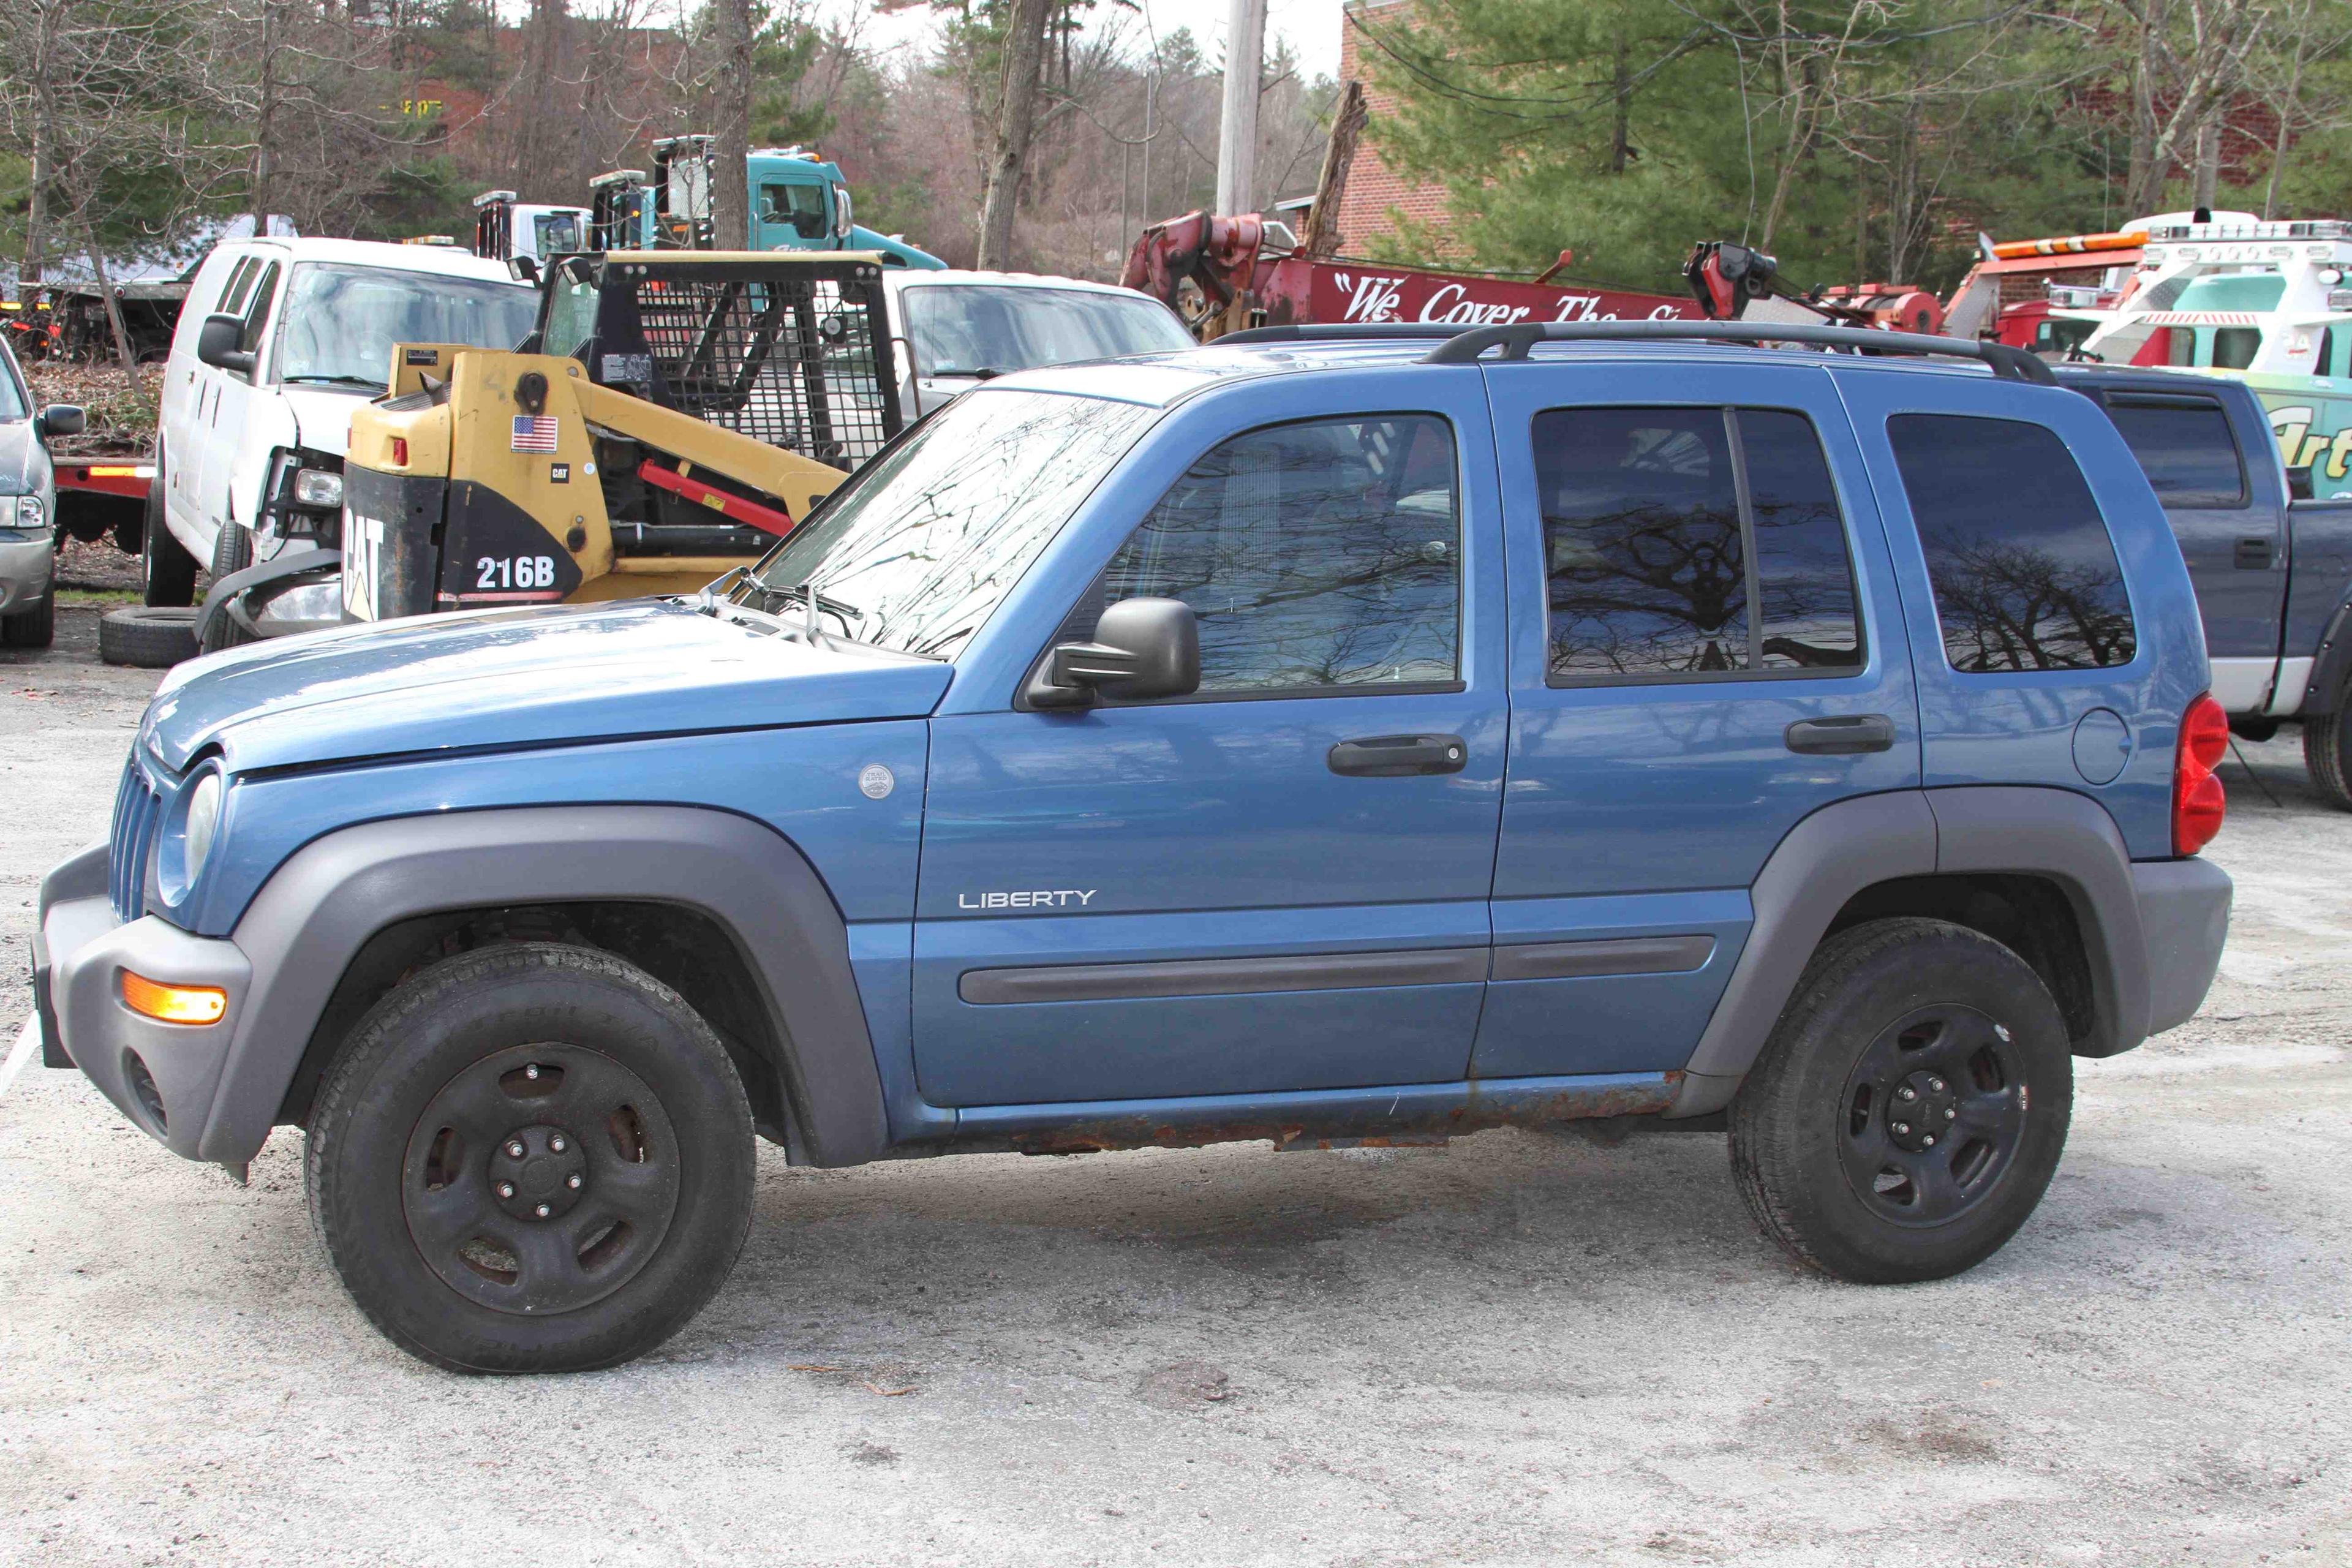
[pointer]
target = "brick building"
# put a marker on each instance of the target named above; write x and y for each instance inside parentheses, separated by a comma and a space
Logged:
(1376, 194)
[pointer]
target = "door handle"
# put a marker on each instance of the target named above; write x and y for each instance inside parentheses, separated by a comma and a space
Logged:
(1399, 756)
(1842, 735)
(2253, 555)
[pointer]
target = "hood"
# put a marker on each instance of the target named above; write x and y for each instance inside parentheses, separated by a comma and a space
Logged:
(322, 415)
(20, 459)
(503, 678)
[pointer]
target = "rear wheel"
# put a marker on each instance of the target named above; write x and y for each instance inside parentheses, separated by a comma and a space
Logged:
(531, 1158)
(2327, 752)
(33, 626)
(168, 571)
(1910, 1107)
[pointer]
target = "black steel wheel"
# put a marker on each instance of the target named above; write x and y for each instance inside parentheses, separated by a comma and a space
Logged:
(1935, 1111)
(540, 1179)
(1910, 1107)
(531, 1158)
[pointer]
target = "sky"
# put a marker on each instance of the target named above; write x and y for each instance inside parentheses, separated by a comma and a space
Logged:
(1312, 26)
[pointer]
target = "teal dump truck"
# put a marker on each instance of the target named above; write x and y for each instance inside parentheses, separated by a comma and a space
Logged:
(800, 201)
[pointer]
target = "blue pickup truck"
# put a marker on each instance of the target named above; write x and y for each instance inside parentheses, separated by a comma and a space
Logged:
(1322, 741)
(2272, 565)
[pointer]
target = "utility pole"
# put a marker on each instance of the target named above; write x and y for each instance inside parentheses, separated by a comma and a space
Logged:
(1237, 137)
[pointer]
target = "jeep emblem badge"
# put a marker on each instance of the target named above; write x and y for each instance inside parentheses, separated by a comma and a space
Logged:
(875, 781)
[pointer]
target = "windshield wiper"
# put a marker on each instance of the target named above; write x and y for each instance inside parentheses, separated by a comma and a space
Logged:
(312, 378)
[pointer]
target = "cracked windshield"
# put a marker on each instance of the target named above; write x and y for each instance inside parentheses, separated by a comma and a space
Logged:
(341, 321)
(916, 550)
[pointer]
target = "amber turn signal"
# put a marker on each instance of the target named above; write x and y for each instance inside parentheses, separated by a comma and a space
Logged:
(173, 1003)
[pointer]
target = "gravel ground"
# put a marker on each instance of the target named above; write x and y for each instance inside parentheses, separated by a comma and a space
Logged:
(1517, 1349)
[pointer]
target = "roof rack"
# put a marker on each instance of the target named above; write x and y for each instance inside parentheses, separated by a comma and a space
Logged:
(1465, 346)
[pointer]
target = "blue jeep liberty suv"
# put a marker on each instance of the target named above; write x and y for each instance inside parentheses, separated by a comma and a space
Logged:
(1304, 739)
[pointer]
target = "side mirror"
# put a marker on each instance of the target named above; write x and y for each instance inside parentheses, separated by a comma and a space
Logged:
(216, 345)
(1142, 649)
(523, 269)
(2299, 485)
(63, 419)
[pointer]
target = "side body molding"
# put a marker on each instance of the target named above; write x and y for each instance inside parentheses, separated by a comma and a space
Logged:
(1824, 860)
(320, 907)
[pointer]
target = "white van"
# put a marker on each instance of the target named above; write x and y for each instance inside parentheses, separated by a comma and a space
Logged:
(280, 339)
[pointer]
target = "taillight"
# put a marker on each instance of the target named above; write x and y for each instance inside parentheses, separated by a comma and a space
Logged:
(2198, 802)
(399, 451)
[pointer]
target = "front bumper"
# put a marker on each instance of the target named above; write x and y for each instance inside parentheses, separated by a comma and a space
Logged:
(2184, 919)
(164, 1076)
(25, 569)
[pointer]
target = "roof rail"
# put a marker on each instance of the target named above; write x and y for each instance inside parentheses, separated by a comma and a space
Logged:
(1464, 348)
(1343, 332)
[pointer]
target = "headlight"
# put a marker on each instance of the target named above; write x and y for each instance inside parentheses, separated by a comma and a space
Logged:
(28, 512)
(202, 820)
(317, 487)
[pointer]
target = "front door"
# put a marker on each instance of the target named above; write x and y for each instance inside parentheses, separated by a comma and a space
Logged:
(1707, 647)
(224, 427)
(1279, 883)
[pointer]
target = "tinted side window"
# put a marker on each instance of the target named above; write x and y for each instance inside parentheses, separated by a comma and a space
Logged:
(1322, 554)
(1804, 578)
(2184, 445)
(232, 295)
(2025, 574)
(257, 316)
(1691, 542)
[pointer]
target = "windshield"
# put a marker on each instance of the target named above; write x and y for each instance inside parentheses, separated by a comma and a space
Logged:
(918, 547)
(961, 328)
(341, 322)
(557, 234)
(12, 403)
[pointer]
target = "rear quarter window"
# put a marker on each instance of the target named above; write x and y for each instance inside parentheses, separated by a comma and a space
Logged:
(2025, 574)
(2184, 445)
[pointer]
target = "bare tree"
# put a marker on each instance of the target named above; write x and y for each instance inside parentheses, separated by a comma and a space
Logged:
(1016, 123)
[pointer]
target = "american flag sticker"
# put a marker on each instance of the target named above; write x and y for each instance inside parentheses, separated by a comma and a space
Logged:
(533, 432)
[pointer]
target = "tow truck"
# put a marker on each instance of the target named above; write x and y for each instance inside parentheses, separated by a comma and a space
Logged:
(507, 227)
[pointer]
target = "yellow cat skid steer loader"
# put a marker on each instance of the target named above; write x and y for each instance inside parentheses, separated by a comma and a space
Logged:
(673, 414)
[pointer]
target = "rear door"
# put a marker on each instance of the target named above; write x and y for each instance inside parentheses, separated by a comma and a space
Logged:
(2233, 539)
(1706, 649)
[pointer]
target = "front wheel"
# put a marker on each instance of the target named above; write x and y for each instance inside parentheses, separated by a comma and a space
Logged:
(35, 625)
(167, 572)
(232, 552)
(1910, 1107)
(532, 1158)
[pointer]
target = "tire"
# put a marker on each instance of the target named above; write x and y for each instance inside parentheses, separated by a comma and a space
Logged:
(1894, 1006)
(2327, 752)
(36, 628)
(232, 552)
(168, 571)
(409, 1139)
(146, 638)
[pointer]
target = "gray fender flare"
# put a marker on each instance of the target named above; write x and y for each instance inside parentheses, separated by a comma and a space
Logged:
(1824, 860)
(318, 910)
(1834, 854)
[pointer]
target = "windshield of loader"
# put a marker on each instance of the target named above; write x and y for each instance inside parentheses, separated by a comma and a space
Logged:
(916, 548)
(341, 321)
